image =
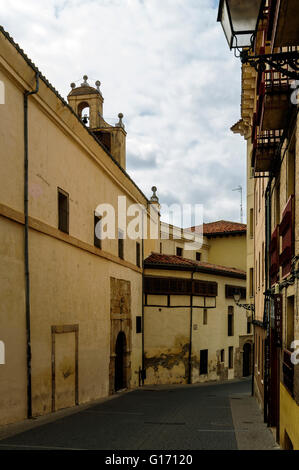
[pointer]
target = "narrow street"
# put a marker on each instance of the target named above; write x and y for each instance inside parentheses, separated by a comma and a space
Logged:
(198, 417)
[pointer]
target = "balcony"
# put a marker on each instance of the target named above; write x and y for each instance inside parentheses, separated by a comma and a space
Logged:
(288, 372)
(274, 101)
(285, 25)
(264, 150)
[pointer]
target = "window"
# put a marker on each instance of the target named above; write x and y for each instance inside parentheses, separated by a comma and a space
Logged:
(198, 256)
(248, 327)
(230, 321)
(231, 290)
(222, 358)
(160, 248)
(290, 321)
(63, 211)
(259, 270)
(138, 254)
(97, 231)
(165, 285)
(291, 170)
(121, 244)
(277, 203)
(251, 282)
(231, 357)
(138, 324)
(263, 263)
(205, 316)
(179, 251)
(251, 223)
(203, 365)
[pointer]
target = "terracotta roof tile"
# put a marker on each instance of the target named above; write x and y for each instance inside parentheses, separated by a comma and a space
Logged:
(221, 227)
(157, 259)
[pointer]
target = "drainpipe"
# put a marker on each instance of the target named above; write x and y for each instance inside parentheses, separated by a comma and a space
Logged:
(190, 338)
(143, 376)
(26, 248)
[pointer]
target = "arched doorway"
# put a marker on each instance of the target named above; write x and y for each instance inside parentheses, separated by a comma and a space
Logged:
(120, 381)
(247, 360)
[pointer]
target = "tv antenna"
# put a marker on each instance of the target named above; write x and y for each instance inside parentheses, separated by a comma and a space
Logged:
(240, 190)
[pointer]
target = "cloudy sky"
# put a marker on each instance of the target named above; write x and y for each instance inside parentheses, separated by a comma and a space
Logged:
(166, 66)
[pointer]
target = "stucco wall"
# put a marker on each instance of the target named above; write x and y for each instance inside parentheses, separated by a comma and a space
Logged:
(228, 251)
(167, 333)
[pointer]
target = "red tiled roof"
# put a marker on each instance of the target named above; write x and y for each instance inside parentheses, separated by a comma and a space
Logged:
(221, 227)
(158, 260)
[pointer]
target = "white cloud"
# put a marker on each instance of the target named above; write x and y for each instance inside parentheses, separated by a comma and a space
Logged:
(166, 66)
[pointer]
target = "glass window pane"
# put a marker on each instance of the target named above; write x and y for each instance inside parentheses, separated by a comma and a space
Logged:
(242, 40)
(244, 14)
(226, 24)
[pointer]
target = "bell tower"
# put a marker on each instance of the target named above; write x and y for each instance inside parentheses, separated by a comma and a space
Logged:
(87, 102)
(89, 99)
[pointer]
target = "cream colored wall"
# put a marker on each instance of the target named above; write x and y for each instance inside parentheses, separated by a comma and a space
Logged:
(167, 332)
(228, 251)
(169, 248)
(73, 290)
(13, 379)
(260, 185)
(172, 238)
(249, 236)
(70, 279)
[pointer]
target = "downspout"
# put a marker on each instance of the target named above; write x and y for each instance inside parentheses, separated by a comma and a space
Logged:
(143, 375)
(190, 337)
(26, 248)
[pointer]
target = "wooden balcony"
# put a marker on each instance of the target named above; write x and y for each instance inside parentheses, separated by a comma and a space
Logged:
(264, 150)
(274, 100)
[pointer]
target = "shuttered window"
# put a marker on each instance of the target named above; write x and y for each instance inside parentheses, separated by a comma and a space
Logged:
(286, 230)
(97, 231)
(164, 285)
(274, 256)
(138, 254)
(230, 321)
(63, 211)
(231, 357)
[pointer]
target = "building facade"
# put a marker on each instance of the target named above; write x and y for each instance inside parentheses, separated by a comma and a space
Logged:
(70, 302)
(270, 125)
(74, 326)
(194, 331)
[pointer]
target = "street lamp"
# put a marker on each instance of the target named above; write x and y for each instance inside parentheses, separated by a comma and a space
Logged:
(239, 20)
(248, 307)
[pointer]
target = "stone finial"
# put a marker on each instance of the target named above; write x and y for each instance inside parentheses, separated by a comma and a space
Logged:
(120, 122)
(85, 78)
(98, 84)
(154, 197)
(73, 85)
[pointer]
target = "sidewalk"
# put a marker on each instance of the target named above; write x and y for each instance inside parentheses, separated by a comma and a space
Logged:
(250, 430)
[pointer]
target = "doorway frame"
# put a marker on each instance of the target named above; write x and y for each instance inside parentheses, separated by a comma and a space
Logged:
(56, 330)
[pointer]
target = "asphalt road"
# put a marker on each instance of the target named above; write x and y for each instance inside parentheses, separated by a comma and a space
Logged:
(162, 418)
